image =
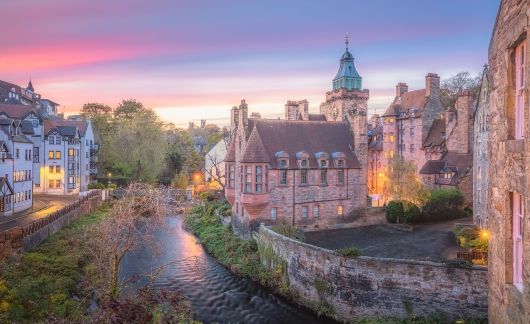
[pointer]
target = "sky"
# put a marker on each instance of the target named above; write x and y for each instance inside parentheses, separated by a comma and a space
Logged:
(192, 60)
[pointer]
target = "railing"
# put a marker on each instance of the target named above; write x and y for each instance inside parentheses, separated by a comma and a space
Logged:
(40, 223)
(473, 255)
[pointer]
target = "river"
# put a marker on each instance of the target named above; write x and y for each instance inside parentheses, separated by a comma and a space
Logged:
(215, 294)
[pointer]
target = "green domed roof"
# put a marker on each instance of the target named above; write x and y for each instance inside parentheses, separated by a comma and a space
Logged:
(347, 77)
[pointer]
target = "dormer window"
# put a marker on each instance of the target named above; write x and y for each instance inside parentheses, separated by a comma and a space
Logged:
(283, 164)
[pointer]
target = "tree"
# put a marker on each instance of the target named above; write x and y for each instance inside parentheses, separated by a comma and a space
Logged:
(129, 226)
(452, 87)
(127, 109)
(94, 110)
(403, 184)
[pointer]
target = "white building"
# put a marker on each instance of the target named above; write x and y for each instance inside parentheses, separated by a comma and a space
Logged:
(214, 165)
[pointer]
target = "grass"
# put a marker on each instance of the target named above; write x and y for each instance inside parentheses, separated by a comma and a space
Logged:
(349, 252)
(289, 231)
(47, 282)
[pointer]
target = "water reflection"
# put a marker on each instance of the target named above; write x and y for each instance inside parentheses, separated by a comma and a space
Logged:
(215, 294)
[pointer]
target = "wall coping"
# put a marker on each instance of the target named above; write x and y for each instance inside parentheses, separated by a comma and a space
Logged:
(364, 258)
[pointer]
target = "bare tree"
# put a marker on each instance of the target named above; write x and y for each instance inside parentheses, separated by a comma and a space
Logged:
(216, 171)
(130, 225)
(453, 86)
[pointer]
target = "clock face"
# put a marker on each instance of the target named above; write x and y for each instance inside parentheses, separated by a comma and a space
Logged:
(334, 113)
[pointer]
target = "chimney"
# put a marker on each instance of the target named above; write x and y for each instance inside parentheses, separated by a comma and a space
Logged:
(303, 107)
(243, 113)
(291, 110)
(401, 88)
(234, 118)
(460, 140)
(432, 85)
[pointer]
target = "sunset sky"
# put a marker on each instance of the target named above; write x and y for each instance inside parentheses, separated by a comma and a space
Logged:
(195, 59)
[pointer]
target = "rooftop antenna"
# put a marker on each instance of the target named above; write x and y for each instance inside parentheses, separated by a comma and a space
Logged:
(347, 39)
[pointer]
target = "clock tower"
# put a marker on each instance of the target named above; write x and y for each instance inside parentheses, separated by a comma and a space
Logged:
(348, 101)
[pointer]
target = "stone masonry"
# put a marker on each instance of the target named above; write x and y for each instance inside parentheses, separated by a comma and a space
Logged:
(375, 287)
(509, 165)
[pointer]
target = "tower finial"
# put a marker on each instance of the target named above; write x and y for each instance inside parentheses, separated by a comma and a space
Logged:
(347, 39)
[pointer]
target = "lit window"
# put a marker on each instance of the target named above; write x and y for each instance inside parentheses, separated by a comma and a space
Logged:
(517, 234)
(391, 138)
(340, 210)
(71, 152)
(57, 169)
(51, 169)
(57, 183)
(58, 155)
(273, 213)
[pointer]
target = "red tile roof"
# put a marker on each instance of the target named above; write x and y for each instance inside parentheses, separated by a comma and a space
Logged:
(271, 136)
(17, 111)
(409, 100)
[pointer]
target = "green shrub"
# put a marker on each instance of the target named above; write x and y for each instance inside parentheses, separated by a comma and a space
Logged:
(289, 231)
(96, 186)
(405, 211)
(443, 204)
(112, 186)
(349, 252)
(471, 238)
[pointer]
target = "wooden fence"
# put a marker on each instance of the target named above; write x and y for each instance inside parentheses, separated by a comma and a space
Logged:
(29, 235)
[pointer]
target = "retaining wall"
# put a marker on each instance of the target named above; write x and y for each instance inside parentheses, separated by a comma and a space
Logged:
(27, 237)
(374, 287)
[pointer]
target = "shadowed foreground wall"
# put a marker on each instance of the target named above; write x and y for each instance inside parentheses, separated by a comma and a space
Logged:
(372, 287)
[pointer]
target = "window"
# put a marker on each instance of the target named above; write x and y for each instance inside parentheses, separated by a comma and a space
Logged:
(259, 179)
(323, 172)
(391, 138)
(35, 122)
(57, 169)
(273, 213)
(340, 210)
(231, 176)
(51, 184)
(304, 212)
(340, 176)
(392, 154)
(283, 163)
(71, 152)
(517, 234)
(51, 140)
(340, 172)
(36, 154)
(57, 155)
(412, 131)
(303, 172)
(411, 148)
(58, 140)
(17, 153)
(316, 211)
(520, 74)
(51, 169)
(283, 177)
(57, 183)
(248, 179)
(50, 155)
(447, 175)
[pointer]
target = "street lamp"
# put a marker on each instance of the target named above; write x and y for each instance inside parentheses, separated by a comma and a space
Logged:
(109, 174)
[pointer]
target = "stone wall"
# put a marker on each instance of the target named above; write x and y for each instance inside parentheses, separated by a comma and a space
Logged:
(372, 287)
(27, 237)
(508, 169)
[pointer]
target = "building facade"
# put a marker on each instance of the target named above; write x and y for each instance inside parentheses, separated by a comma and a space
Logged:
(509, 166)
(480, 153)
(308, 170)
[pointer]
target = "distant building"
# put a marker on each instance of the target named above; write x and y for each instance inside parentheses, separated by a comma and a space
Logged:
(375, 161)
(308, 171)
(508, 199)
(214, 164)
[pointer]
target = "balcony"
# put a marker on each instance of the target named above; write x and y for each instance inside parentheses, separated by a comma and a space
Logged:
(93, 171)
(94, 147)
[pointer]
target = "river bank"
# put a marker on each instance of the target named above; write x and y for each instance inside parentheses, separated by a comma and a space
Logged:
(243, 258)
(57, 281)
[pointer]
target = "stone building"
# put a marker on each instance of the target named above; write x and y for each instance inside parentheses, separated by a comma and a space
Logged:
(509, 166)
(375, 160)
(308, 170)
(480, 153)
(448, 149)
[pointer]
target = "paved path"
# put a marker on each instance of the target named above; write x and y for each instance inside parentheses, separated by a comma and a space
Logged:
(425, 242)
(42, 206)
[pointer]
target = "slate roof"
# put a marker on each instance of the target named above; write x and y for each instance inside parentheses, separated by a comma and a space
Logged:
(62, 129)
(316, 117)
(269, 137)
(17, 111)
(231, 154)
(21, 139)
(80, 124)
(375, 139)
(451, 161)
(409, 100)
(436, 135)
(27, 127)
